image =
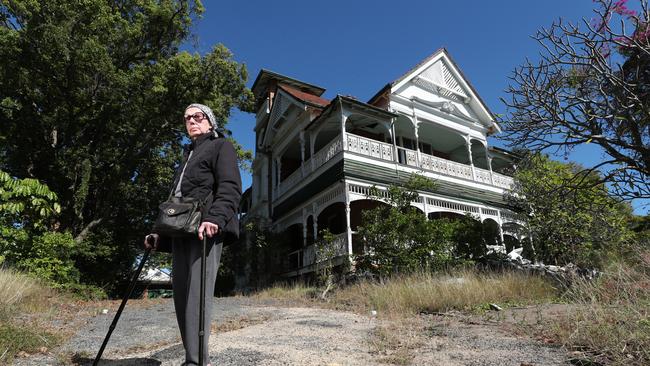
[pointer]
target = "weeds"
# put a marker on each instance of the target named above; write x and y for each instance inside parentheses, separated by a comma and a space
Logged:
(295, 292)
(611, 324)
(20, 296)
(434, 292)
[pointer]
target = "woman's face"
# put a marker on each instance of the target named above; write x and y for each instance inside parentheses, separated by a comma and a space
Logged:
(196, 122)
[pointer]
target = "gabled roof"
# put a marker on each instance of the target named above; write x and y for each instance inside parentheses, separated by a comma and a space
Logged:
(305, 97)
(265, 77)
(410, 73)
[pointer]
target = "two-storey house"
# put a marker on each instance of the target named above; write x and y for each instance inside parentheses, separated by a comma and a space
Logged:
(316, 159)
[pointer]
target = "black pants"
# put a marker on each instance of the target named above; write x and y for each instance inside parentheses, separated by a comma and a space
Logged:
(186, 282)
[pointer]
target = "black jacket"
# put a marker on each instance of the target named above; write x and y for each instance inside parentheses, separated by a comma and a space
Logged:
(213, 173)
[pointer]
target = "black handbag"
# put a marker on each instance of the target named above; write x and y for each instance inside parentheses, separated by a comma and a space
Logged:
(178, 216)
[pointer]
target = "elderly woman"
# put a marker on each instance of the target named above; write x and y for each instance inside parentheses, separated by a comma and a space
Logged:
(209, 170)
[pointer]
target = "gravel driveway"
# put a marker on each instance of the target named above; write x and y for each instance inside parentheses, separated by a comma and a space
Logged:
(249, 333)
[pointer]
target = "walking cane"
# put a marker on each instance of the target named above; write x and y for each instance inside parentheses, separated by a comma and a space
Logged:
(134, 280)
(202, 301)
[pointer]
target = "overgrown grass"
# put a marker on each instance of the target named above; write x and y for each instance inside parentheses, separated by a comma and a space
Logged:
(611, 324)
(424, 292)
(440, 292)
(399, 299)
(21, 295)
(294, 292)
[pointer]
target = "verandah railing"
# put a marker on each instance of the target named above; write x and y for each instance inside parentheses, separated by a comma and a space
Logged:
(385, 151)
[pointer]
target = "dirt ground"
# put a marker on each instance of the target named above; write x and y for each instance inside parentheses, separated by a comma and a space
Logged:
(252, 333)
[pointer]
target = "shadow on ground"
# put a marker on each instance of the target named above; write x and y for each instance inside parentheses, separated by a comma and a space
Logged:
(84, 361)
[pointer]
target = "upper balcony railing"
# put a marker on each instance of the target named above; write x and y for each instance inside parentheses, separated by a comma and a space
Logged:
(387, 152)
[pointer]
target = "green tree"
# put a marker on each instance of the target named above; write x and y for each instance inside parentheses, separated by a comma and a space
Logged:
(91, 100)
(584, 226)
(399, 238)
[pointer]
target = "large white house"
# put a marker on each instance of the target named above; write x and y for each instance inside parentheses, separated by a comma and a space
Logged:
(316, 159)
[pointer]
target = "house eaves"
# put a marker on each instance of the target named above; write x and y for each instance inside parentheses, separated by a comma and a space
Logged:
(340, 99)
(305, 98)
(265, 77)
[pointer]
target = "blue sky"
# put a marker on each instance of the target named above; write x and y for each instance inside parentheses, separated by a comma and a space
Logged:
(357, 47)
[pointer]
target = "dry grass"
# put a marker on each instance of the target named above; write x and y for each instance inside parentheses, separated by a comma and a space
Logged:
(290, 293)
(20, 290)
(396, 342)
(21, 296)
(421, 292)
(399, 334)
(611, 324)
(440, 292)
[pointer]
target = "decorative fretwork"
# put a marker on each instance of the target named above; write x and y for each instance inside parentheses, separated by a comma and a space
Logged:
(327, 153)
(368, 147)
(489, 212)
(368, 191)
(408, 157)
(447, 167)
(502, 181)
(454, 206)
(482, 175)
(329, 196)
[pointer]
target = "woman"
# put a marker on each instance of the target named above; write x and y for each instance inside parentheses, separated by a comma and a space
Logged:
(209, 170)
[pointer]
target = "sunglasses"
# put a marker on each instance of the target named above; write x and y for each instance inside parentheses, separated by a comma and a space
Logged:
(198, 117)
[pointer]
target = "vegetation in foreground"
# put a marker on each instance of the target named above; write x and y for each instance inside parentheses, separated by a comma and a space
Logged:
(607, 320)
(611, 324)
(423, 292)
(20, 296)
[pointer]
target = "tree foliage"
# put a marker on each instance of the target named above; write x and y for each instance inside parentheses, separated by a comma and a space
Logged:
(590, 85)
(91, 99)
(584, 226)
(399, 238)
(27, 239)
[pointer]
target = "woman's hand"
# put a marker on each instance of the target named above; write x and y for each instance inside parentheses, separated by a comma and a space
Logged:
(151, 241)
(209, 228)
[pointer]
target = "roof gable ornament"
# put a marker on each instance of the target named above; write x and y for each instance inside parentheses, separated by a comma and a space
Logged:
(439, 79)
(439, 75)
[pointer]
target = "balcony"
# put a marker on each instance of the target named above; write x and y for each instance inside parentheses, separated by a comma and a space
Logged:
(383, 151)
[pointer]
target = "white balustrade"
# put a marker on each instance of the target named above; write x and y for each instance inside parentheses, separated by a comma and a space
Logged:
(309, 255)
(384, 151)
(289, 182)
(445, 166)
(482, 175)
(369, 147)
(407, 156)
(338, 247)
(503, 181)
(325, 154)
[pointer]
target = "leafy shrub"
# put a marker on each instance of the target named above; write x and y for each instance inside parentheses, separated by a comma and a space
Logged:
(572, 217)
(28, 241)
(399, 238)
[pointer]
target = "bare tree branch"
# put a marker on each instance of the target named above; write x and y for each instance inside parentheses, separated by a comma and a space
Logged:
(590, 85)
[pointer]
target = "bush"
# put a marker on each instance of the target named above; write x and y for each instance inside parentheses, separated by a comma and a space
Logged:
(399, 238)
(28, 241)
(571, 217)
